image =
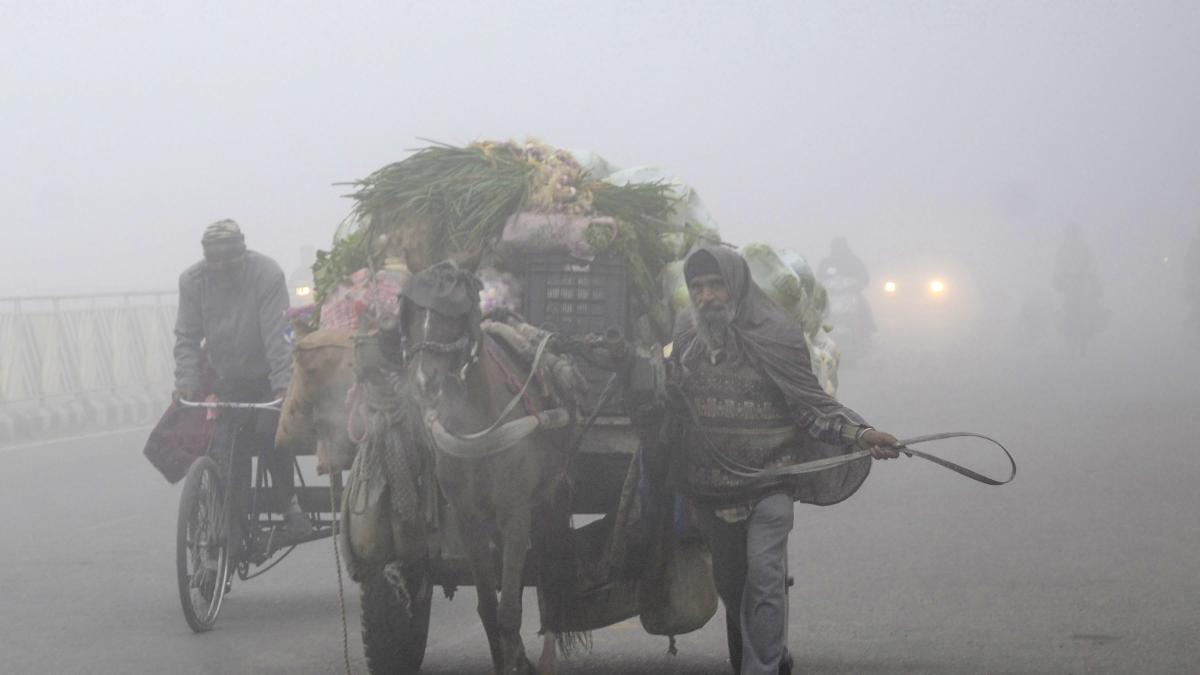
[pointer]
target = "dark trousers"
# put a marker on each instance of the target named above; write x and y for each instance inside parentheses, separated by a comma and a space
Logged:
(249, 432)
(750, 569)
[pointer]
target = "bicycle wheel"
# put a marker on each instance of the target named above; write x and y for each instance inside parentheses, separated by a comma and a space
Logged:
(201, 546)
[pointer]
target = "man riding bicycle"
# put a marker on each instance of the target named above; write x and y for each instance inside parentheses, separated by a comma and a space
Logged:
(234, 301)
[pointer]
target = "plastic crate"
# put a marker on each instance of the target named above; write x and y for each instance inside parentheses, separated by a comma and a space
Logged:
(571, 296)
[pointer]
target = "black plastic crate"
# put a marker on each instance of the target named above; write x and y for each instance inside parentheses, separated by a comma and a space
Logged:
(571, 296)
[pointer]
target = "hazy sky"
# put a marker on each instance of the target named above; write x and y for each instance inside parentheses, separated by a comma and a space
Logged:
(970, 131)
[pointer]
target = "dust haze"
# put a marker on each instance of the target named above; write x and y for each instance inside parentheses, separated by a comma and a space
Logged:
(947, 140)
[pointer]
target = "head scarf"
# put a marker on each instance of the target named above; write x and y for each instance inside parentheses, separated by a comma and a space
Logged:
(702, 264)
(773, 341)
(445, 289)
(448, 290)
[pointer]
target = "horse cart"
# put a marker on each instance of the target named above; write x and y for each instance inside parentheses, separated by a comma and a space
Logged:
(578, 306)
(554, 346)
(230, 515)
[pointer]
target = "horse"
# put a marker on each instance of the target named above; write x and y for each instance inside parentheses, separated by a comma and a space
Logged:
(501, 468)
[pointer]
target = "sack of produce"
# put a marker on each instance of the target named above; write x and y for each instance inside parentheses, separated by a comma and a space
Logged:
(775, 277)
(366, 531)
(674, 288)
(533, 233)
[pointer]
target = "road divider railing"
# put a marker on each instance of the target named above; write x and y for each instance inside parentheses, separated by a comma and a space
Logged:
(72, 364)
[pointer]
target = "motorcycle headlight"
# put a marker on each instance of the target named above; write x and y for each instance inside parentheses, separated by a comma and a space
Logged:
(303, 291)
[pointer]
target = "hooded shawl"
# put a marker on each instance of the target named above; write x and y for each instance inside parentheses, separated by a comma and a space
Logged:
(773, 341)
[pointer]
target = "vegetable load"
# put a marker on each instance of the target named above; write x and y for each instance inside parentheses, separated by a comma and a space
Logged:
(498, 203)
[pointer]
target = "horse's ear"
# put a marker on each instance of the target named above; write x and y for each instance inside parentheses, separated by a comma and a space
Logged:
(468, 259)
(412, 261)
(401, 308)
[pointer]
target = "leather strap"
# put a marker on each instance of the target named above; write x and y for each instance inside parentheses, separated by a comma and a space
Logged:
(741, 470)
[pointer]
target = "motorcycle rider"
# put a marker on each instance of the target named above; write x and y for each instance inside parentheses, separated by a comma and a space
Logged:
(845, 277)
(842, 262)
(1081, 315)
(233, 301)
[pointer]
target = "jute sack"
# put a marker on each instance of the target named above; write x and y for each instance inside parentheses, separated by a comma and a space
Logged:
(366, 532)
(681, 596)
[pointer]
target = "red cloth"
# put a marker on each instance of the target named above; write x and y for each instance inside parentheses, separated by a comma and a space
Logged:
(182, 434)
(180, 437)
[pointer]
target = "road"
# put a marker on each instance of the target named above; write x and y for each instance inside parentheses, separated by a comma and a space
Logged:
(1088, 562)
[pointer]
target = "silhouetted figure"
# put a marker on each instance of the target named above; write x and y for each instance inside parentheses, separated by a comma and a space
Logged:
(1191, 287)
(843, 264)
(845, 278)
(1033, 317)
(1081, 314)
(300, 281)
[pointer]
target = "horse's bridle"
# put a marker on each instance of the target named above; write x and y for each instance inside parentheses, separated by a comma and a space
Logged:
(464, 345)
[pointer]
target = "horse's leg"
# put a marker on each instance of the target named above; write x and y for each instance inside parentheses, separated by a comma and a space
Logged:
(556, 574)
(483, 570)
(515, 537)
(548, 663)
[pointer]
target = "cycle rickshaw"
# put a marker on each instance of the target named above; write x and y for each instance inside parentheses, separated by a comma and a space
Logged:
(230, 517)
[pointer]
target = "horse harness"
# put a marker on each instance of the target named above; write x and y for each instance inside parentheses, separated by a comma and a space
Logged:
(498, 436)
(465, 344)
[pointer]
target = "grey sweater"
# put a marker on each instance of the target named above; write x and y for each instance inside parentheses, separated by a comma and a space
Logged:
(243, 325)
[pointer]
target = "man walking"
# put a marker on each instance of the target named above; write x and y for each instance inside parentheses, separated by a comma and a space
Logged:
(746, 400)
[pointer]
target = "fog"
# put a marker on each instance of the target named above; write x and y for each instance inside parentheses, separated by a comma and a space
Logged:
(949, 139)
(976, 130)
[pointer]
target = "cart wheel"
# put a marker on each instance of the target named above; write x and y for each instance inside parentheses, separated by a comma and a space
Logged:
(201, 546)
(393, 639)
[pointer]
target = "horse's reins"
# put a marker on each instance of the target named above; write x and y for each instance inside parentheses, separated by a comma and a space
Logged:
(742, 471)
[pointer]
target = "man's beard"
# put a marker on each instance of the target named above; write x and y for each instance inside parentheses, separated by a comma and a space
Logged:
(712, 324)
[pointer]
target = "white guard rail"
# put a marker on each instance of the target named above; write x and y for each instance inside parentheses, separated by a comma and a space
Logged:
(80, 363)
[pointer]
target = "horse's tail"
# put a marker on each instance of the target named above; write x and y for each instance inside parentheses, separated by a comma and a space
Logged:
(573, 641)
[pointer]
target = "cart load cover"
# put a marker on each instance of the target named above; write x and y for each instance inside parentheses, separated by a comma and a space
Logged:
(346, 304)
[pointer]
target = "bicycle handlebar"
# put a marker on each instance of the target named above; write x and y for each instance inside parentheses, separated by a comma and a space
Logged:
(269, 405)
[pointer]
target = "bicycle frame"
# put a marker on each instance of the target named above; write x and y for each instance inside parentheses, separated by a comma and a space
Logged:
(243, 488)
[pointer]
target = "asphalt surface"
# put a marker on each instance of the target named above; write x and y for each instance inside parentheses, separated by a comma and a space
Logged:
(1088, 562)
